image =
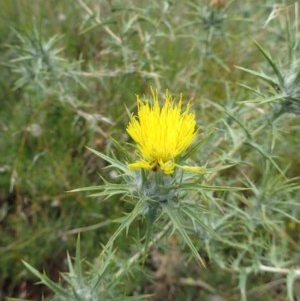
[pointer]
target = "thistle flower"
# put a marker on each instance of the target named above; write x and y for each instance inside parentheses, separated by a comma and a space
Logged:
(161, 133)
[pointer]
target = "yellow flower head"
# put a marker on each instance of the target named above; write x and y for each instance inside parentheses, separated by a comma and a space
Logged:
(161, 133)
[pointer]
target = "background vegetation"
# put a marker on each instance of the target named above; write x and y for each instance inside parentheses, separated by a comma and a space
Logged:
(68, 70)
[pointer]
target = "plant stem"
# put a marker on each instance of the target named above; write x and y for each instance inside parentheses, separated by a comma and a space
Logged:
(142, 251)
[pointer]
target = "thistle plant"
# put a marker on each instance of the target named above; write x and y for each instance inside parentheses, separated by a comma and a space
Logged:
(104, 282)
(39, 65)
(159, 185)
(283, 92)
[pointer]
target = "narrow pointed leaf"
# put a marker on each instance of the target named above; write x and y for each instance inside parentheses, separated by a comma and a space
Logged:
(180, 227)
(272, 63)
(48, 282)
(264, 77)
(265, 154)
(110, 160)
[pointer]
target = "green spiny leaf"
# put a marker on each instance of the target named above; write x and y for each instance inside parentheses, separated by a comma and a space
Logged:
(175, 218)
(57, 289)
(272, 64)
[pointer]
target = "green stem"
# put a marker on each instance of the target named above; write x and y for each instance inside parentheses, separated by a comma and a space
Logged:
(137, 255)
